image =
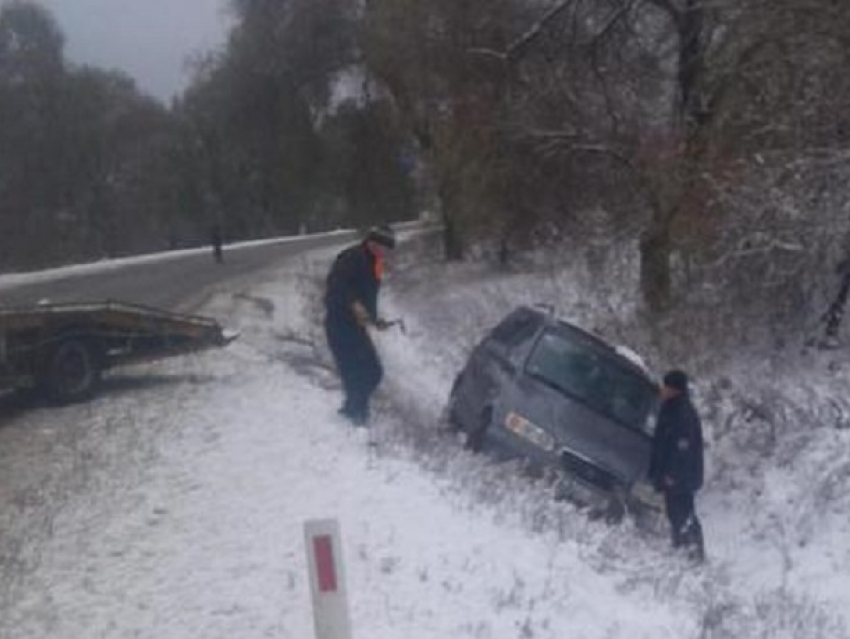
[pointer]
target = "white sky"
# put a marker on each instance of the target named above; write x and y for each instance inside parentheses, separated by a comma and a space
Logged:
(148, 39)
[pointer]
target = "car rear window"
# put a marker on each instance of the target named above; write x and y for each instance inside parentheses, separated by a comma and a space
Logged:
(515, 328)
(578, 367)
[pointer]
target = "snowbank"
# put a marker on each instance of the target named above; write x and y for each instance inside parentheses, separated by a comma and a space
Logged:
(172, 506)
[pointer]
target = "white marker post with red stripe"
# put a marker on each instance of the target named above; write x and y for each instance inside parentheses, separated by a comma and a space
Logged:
(327, 579)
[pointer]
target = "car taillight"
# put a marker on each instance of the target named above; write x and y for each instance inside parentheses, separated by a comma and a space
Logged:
(519, 425)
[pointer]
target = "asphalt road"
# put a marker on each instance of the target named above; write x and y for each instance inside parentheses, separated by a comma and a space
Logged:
(175, 282)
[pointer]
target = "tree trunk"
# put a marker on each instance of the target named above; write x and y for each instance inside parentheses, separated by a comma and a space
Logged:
(452, 244)
(655, 276)
(674, 175)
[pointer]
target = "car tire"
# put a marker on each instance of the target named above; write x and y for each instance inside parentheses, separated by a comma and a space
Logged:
(615, 512)
(72, 371)
(450, 417)
(476, 436)
(615, 508)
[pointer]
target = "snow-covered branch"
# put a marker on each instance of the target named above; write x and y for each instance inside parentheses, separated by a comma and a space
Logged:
(516, 47)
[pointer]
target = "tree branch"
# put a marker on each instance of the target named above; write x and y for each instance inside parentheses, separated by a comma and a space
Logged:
(569, 141)
(516, 48)
(600, 76)
(669, 8)
(612, 21)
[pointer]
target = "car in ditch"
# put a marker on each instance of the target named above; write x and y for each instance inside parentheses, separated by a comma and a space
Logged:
(559, 397)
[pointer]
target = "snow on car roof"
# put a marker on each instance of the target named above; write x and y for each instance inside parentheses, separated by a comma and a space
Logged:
(633, 357)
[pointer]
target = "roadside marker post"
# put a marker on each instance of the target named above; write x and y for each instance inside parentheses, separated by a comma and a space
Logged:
(327, 579)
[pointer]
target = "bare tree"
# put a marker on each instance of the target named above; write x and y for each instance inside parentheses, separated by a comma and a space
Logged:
(541, 111)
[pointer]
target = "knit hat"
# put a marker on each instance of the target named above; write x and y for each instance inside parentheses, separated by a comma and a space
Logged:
(383, 235)
(677, 380)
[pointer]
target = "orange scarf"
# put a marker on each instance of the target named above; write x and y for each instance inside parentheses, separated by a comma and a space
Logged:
(379, 262)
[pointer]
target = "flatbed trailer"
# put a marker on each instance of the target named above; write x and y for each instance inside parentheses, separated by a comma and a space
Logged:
(62, 349)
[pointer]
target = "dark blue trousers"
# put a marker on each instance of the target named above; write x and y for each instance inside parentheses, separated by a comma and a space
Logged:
(357, 362)
(685, 527)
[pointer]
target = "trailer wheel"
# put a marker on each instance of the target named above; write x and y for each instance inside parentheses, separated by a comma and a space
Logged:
(72, 371)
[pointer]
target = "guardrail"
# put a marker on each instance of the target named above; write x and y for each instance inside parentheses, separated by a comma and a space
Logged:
(13, 280)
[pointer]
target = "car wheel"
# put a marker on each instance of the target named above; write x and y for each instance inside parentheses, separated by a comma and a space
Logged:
(72, 371)
(475, 439)
(450, 417)
(615, 512)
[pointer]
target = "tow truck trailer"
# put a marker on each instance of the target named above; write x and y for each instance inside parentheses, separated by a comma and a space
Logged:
(61, 350)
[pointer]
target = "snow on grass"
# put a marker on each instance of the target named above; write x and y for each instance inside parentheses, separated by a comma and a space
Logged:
(173, 505)
(206, 540)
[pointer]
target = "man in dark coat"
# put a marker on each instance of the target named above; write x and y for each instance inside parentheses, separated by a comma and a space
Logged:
(676, 466)
(351, 305)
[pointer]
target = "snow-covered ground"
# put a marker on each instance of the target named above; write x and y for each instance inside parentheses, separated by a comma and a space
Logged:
(172, 506)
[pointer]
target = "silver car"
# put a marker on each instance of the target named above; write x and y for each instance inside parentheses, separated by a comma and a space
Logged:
(558, 396)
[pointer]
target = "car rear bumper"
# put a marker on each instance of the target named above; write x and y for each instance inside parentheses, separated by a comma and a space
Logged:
(578, 468)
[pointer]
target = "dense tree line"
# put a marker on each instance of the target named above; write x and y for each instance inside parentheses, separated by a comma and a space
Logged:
(263, 141)
(659, 112)
(76, 149)
(710, 136)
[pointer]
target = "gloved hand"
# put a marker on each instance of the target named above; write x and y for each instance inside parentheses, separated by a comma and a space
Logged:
(361, 315)
(381, 324)
(657, 484)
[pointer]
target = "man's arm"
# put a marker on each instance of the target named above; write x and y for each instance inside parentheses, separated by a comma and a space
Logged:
(361, 314)
(659, 456)
(364, 293)
(364, 319)
(686, 456)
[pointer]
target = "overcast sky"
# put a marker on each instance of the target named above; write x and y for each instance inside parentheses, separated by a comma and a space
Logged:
(148, 39)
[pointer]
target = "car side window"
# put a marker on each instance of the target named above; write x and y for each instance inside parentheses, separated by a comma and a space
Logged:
(604, 383)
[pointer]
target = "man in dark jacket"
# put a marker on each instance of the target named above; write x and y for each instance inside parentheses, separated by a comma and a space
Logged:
(676, 466)
(351, 305)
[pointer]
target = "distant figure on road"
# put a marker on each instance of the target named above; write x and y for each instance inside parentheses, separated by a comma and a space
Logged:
(215, 238)
(676, 466)
(351, 305)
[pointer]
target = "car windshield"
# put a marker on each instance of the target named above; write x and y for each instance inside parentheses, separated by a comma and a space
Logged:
(575, 365)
